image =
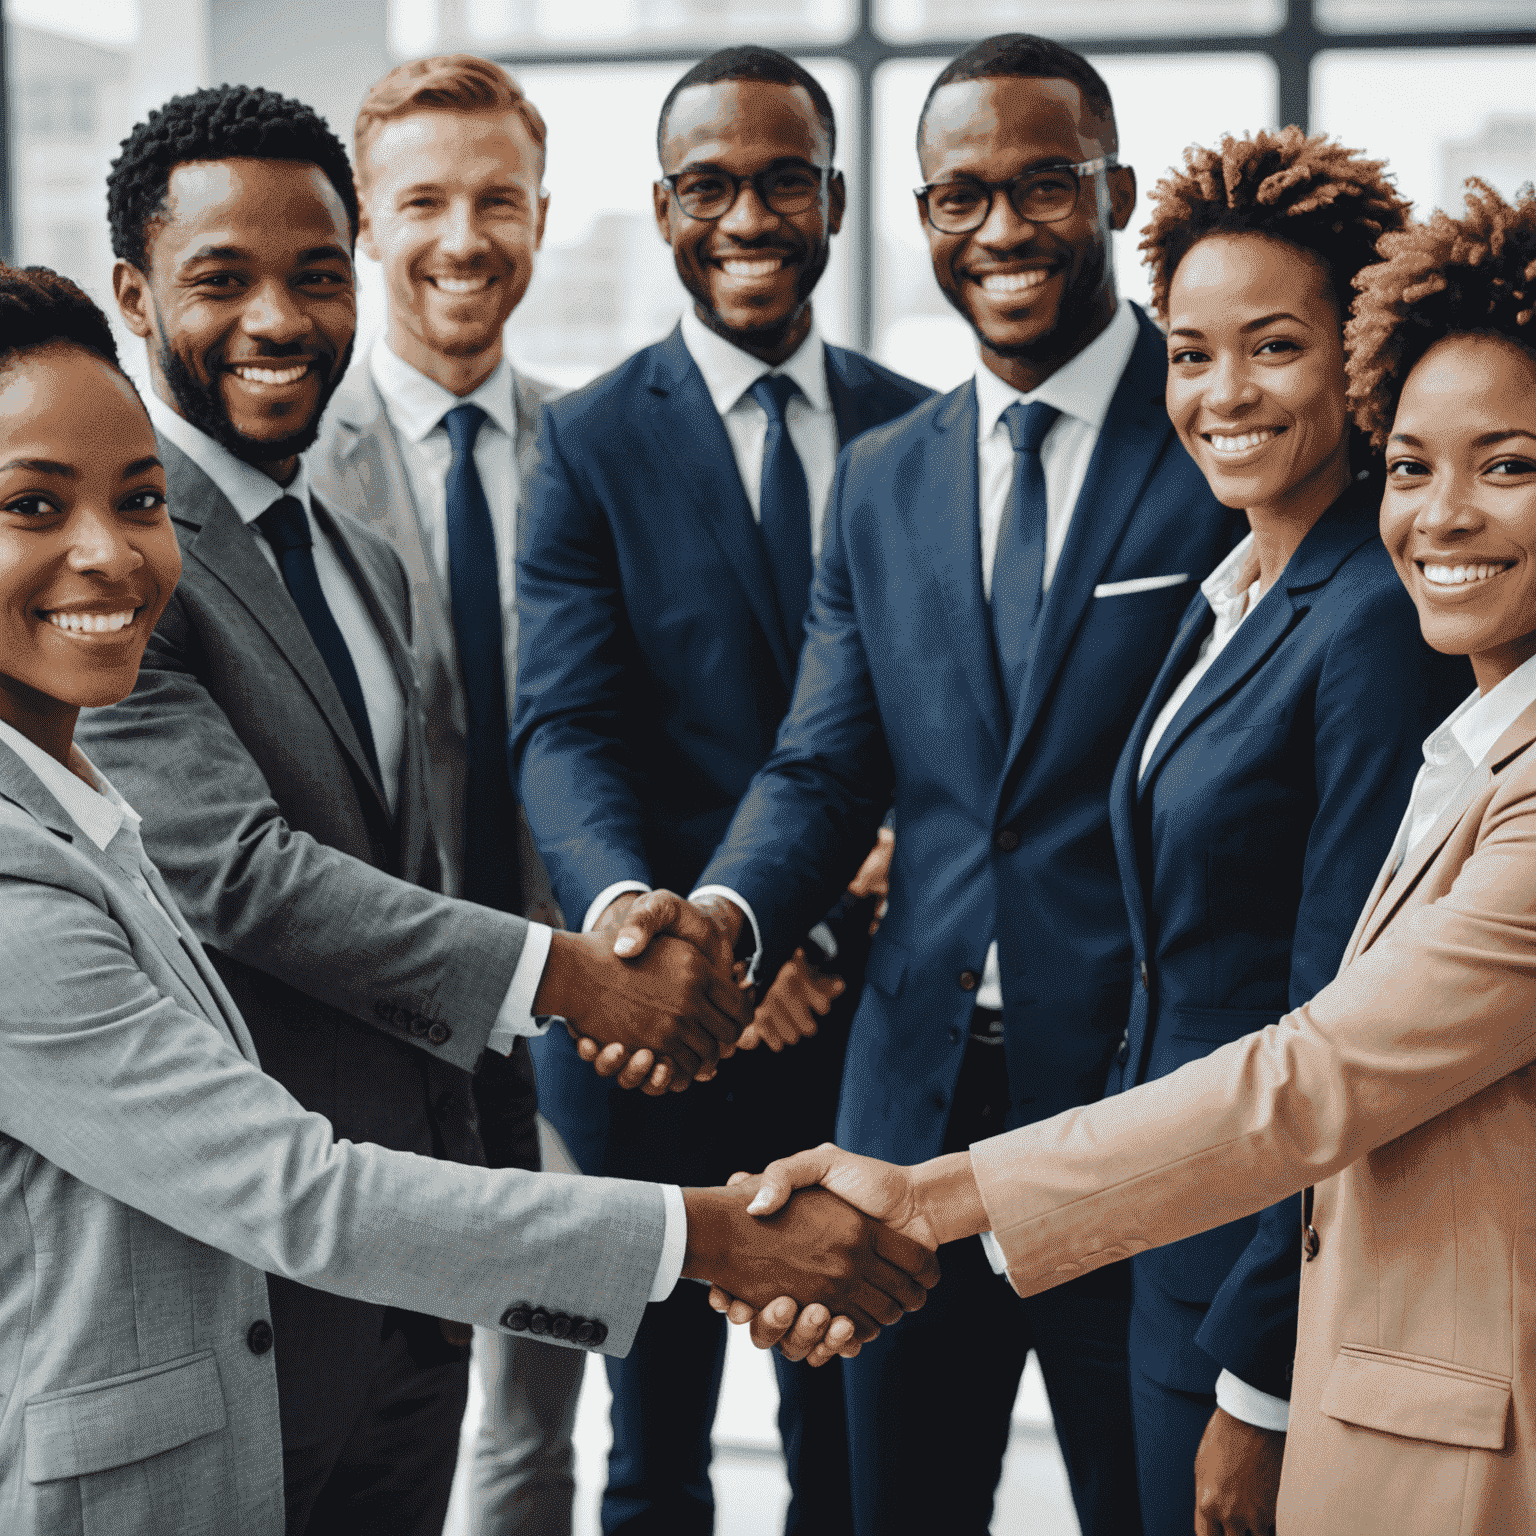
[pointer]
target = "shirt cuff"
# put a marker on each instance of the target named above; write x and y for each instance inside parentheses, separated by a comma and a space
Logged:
(994, 1252)
(742, 902)
(516, 1015)
(606, 899)
(674, 1244)
(1235, 1396)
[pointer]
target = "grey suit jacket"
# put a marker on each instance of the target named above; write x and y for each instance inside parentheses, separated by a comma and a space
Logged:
(356, 468)
(150, 1172)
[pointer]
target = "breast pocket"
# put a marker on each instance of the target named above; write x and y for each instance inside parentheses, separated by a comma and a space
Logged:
(1418, 1397)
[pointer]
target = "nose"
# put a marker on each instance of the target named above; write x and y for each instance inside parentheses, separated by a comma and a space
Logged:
(749, 216)
(461, 236)
(1229, 387)
(275, 313)
(99, 544)
(1003, 228)
(1447, 508)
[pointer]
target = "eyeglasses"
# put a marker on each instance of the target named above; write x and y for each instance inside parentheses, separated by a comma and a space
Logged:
(710, 193)
(1046, 196)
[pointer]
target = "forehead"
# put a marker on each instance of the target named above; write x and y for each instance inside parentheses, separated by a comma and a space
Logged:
(463, 147)
(1229, 278)
(269, 208)
(62, 395)
(1469, 384)
(1007, 118)
(749, 122)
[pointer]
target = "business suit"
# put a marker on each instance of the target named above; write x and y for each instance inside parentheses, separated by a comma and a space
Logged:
(522, 1474)
(149, 1173)
(1404, 1091)
(1002, 806)
(654, 670)
(1245, 852)
(369, 996)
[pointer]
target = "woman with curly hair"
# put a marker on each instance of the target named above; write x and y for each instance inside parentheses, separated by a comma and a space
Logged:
(1405, 1090)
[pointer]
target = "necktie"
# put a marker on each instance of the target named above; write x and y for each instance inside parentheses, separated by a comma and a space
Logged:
(490, 808)
(287, 530)
(1019, 568)
(784, 510)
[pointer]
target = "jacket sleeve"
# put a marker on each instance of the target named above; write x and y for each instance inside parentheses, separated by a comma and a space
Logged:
(571, 755)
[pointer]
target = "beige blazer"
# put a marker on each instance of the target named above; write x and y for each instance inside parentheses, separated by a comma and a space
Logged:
(1404, 1091)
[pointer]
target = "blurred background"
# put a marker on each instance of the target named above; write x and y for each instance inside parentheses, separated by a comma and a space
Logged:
(1441, 88)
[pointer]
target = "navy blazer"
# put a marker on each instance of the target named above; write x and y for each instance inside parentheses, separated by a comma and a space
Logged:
(1246, 852)
(653, 666)
(1002, 815)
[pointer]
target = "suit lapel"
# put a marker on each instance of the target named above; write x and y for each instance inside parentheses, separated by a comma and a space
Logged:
(1136, 429)
(857, 403)
(685, 427)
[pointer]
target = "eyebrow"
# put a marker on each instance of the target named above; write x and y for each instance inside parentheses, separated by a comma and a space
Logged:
(239, 253)
(43, 467)
(141, 466)
(1483, 440)
(714, 165)
(1252, 325)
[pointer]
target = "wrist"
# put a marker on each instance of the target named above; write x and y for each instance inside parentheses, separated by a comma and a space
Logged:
(706, 1255)
(564, 989)
(945, 1191)
(725, 915)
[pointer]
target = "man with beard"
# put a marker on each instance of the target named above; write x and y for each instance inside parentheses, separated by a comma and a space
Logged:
(1004, 573)
(670, 533)
(275, 740)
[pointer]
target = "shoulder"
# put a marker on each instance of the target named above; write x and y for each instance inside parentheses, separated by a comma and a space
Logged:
(872, 451)
(855, 368)
(534, 393)
(607, 394)
(32, 855)
(1365, 598)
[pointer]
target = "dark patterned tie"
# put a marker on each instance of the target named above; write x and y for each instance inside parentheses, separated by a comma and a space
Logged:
(491, 874)
(784, 510)
(286, 529)
(1019, 568)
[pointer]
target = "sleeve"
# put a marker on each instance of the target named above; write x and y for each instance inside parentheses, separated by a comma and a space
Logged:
(1442, 1005)
(811, 813)
(105, 1076)
(571, 755)
(253, 887)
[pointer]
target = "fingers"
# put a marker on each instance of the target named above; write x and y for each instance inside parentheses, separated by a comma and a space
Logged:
(637, 1069)
(808, 1331)
(654, 912)
(773, 1322)
(784, 1176)
(839, 1341)
(750, 1038)
(909, 1256)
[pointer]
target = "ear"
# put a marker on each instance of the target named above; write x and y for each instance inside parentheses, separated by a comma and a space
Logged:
(131, 289)
(660, 200)
(365, 241)
(1122, 195)
(538, 233)
(837, 202)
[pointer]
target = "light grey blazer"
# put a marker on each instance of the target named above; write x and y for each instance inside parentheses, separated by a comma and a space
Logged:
(150, 1172)
(356, 468)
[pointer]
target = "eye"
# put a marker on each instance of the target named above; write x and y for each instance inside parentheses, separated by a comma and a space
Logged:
(32, 505)
(1187, 355)
(1406, 469)
(146, 503)
(221, 282)
(1277, 346)
(1507, 468)
(957, 197)
(793, 179)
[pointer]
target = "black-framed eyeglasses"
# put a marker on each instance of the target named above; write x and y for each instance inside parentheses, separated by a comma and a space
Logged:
(1044, 196)
(707, 192)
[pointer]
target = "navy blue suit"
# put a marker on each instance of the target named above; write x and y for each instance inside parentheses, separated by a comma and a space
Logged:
(653, 672)
(1246, 852)
(1002, 822)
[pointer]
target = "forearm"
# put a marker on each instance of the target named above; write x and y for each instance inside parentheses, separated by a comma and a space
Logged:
(946, 1192)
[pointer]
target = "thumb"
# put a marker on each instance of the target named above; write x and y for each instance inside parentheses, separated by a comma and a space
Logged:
(653, 913)
(783, 1177)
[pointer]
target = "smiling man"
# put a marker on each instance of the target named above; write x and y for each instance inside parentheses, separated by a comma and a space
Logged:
(670, 533)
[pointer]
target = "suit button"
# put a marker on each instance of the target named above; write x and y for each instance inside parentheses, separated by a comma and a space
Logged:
(969, 981)
(418, 1026)
(258, 1337)
(1310, 1242)
(954, 1034)
(560, 1326)
(1145, 985)
(1006, 840)
(1125, 1045)
(516, 1318)
(581, 1331)
(599, 1332)
(438, 1033)
(540, 1322)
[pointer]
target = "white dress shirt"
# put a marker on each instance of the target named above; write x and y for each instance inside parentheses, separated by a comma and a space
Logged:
(416, 406)
(251, 492)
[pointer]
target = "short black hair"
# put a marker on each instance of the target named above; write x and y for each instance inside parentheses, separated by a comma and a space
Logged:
(751, 62)
(224, 122)
(1023, 56)
(39, 308)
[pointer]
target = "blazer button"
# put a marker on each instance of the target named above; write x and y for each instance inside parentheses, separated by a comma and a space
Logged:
(1125, 1045)
(438, 1033)
(1310, 1242)
(1006, 840)
(1145, 985)
(258, 1337)
(581, 1331)
(418, 1026)
(599, 1332)
(540, 1323)
(969, 981)
(517, 1318)
(560, 1326)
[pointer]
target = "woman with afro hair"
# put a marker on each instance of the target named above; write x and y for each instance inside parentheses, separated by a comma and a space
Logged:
(1402, 1097)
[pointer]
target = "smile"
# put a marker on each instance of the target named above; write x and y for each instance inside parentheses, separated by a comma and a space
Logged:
(278, 376)
(461, 285)
(1006, 284)
(1243, 442)
(750, 267)
(1461, 575)
(76, 623)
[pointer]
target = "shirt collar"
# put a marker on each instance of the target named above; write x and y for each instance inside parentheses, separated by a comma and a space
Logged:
(1081, 388)
(1220, 588)
(1483, 718)
(248, 490)
(417, 404)
(99, 813)
(729, 372)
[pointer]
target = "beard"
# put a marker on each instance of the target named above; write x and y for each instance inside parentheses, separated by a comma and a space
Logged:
(772, 335)
(203, 406)
(1075, 320)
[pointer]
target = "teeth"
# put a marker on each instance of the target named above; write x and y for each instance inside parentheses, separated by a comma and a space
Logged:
(91, 623)
(272, 375)
(1012, 282)
(1240, 444)
(462, 284)
(1460, 575)
(735, 266)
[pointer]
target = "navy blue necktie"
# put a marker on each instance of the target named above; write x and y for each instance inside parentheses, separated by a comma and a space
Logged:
(286, 529)
(784, 509)
(490, 809)
(1019, 567)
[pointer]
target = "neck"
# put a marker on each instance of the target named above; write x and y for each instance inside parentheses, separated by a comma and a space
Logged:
(1028, 369)
(458, 375)
(771, 346)
(1279, 526)
(46, 723)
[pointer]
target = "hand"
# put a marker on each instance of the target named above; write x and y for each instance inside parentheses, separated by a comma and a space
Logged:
(674, 996)
(1237, 1478)
(874, 876)
(817, 1249)
(800, 995)
(632, 919)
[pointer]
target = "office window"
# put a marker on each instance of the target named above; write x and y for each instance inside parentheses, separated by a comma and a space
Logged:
(918, 20)
(1422, 15)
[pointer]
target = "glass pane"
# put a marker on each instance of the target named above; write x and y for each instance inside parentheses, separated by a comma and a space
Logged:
(1162, 103)
(1438, 116)
(1418, 15)
(604, 284)
(919, 20)
(532, 26)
